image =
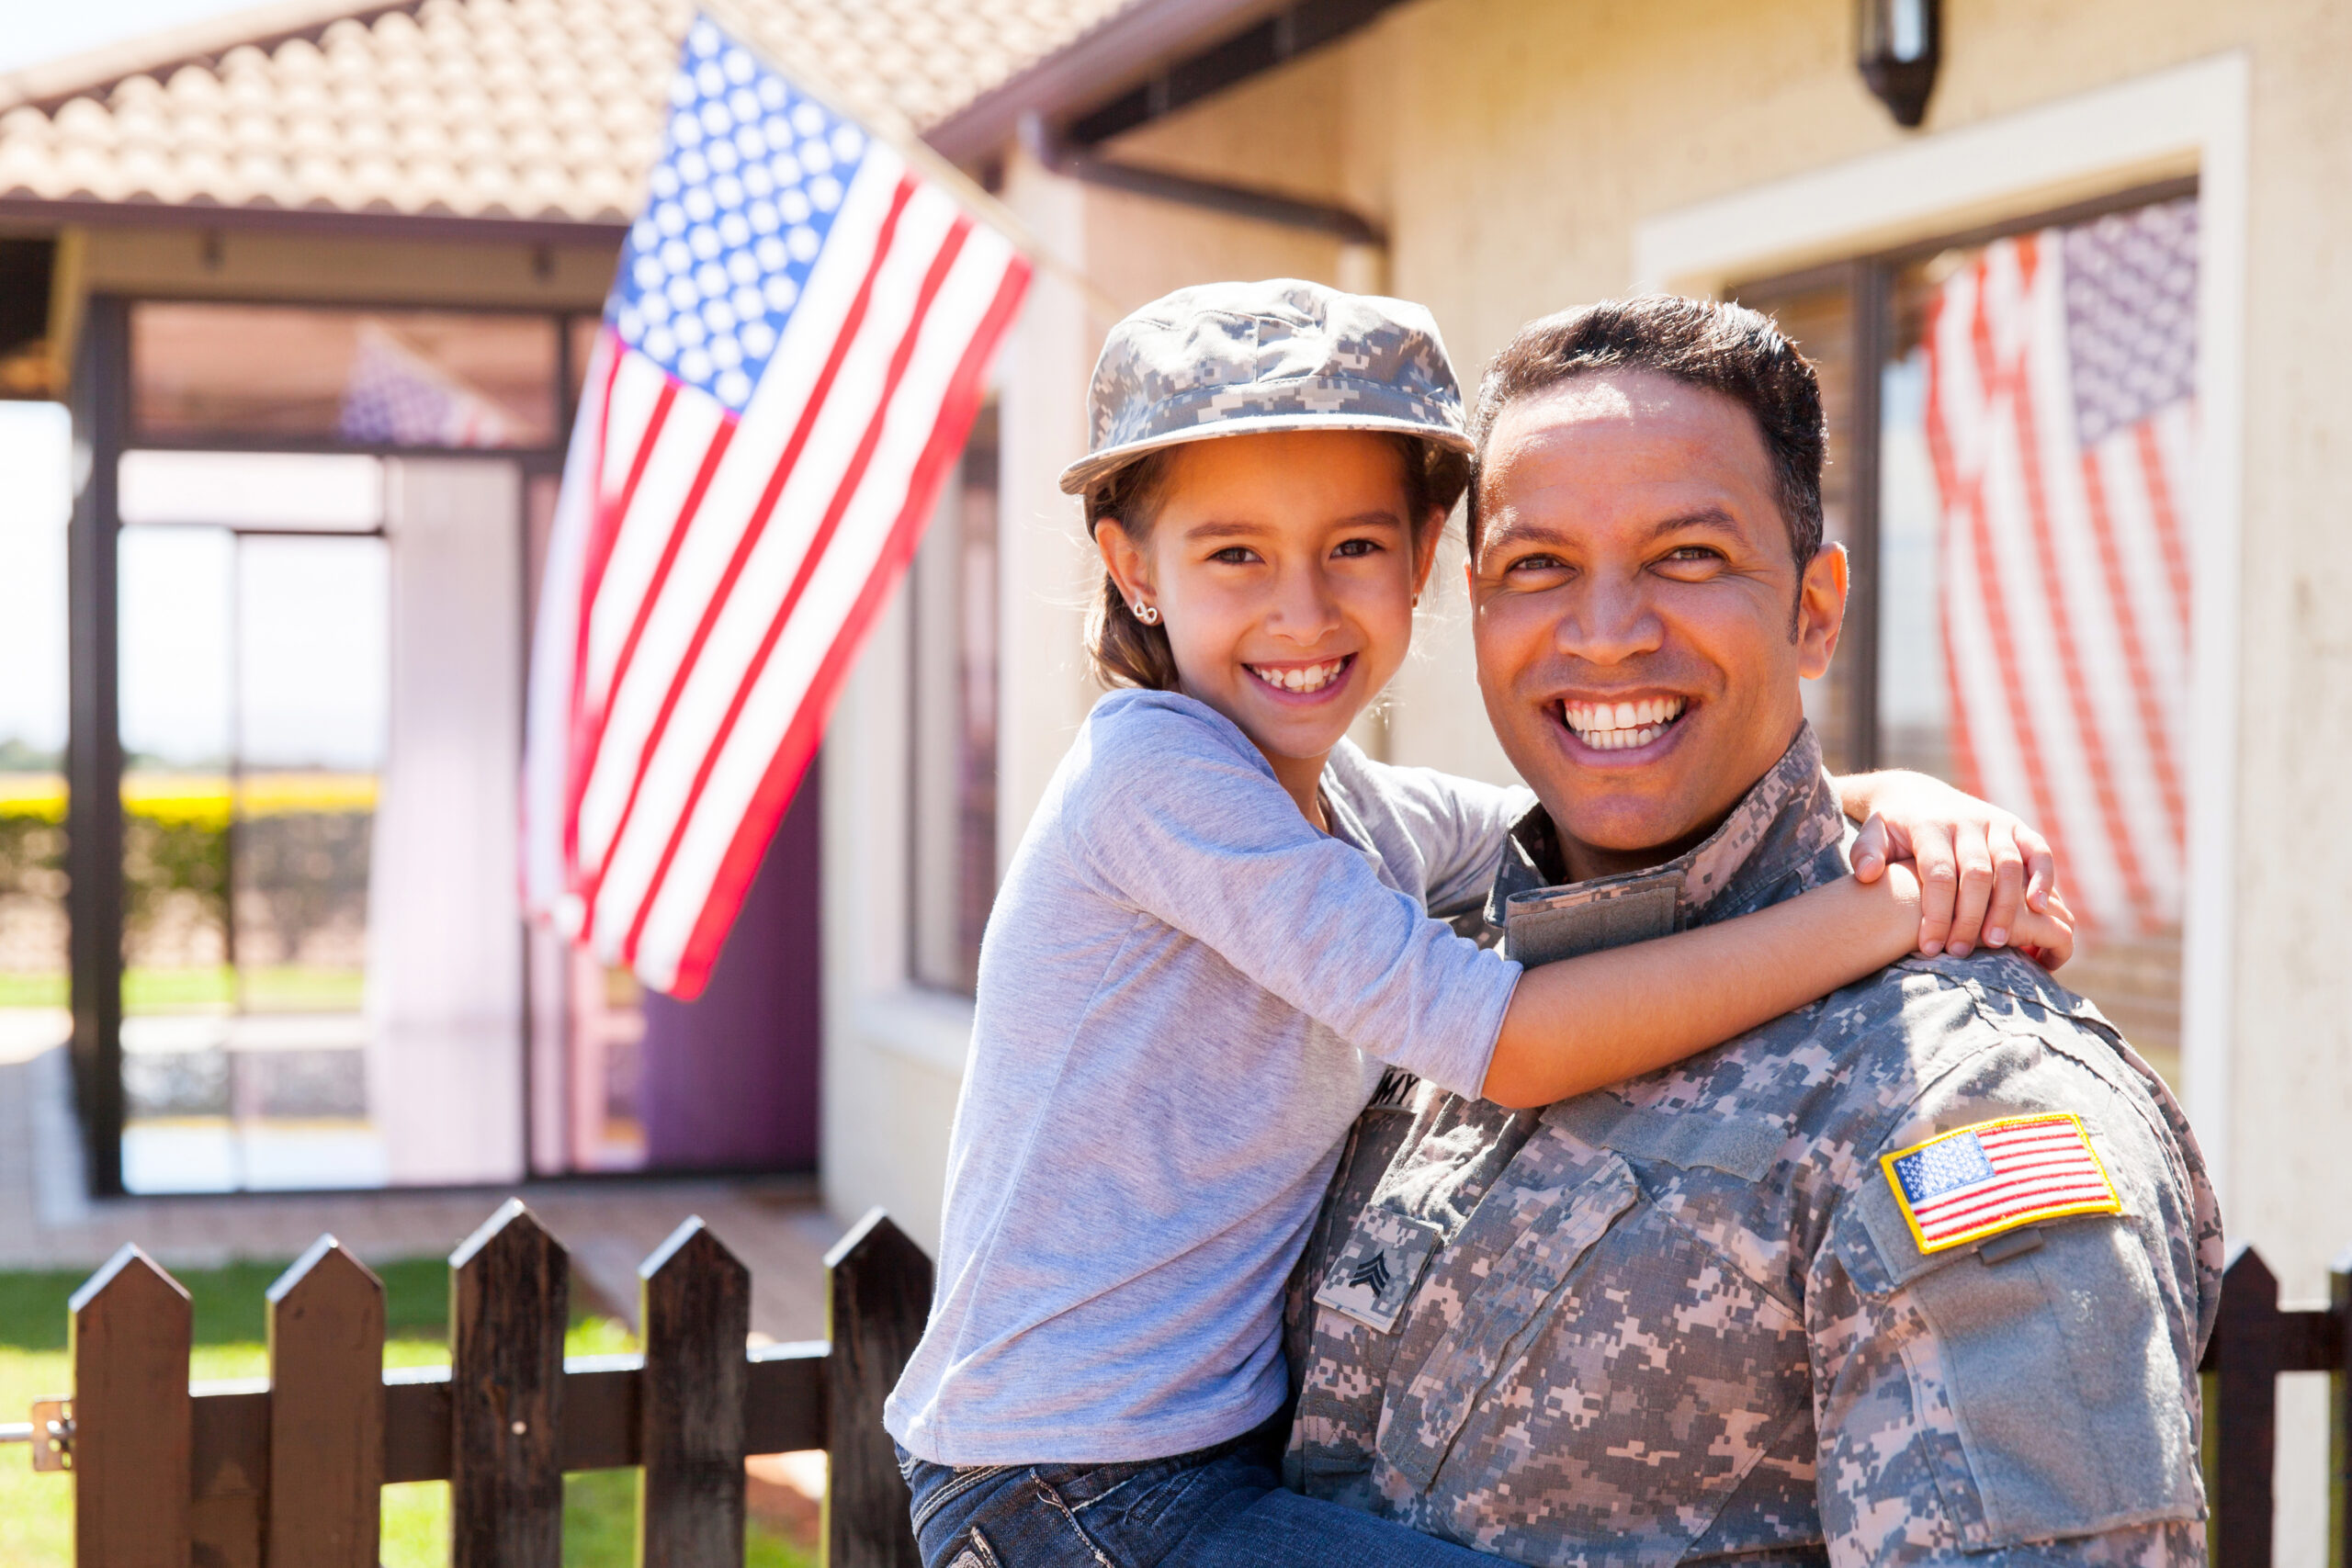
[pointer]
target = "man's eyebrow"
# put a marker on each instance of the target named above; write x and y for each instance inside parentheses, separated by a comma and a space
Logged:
(1518, 532)
(1521, 533)
(1709, 517)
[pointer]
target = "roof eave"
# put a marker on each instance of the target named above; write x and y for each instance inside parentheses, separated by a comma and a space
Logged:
(1093, 69)
(47, 85)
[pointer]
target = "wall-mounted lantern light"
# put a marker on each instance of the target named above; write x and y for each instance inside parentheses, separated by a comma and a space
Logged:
(1898, 44)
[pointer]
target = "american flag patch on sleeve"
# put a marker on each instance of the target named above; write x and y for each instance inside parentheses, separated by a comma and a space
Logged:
(1964, 1186)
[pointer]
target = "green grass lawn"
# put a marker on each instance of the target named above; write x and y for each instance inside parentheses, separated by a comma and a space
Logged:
(36, 1511)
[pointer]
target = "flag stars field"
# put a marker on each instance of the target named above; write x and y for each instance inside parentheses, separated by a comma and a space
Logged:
(743, 196)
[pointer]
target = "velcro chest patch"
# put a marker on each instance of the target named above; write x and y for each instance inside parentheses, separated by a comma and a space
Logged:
(1977, 1181)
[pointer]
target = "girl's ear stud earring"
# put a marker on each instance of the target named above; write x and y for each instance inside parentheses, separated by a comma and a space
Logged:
(1147, 613)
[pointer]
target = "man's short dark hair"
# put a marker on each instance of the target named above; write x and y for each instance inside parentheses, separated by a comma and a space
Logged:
(1724, 348)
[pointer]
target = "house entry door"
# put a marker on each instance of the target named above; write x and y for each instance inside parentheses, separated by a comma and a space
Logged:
(318, 705)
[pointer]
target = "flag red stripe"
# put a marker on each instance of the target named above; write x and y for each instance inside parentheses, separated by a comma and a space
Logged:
(819, 393)
(2041, 527)
(2009, 1157)
(610, 517)
(1979, 530)
(2049, 1127)
(705, 472)
(2063, 660)
(2044, 1195)
(932, 277)
(1968, 771)
(2039, 1162)
(2147, 705)
(1942, 1214)
(2171, 543)
(2025, 1207)
(2021, 1148)
(603, 524)
(2014, 1169)
(790, 764)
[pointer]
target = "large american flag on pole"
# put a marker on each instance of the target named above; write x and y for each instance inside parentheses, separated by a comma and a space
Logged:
(791, 358)
(2062, 425)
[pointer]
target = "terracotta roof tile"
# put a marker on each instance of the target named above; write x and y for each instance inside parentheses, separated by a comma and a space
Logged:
(544, 109)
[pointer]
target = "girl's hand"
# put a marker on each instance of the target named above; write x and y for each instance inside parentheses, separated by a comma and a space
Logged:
(1983, 872)
(2047, 935)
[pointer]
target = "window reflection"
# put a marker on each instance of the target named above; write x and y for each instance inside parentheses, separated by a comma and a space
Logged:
(253, 703)
(375, 379)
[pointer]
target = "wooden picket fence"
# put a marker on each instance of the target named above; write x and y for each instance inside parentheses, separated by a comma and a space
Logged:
(285, 1471)
(2254, 1343)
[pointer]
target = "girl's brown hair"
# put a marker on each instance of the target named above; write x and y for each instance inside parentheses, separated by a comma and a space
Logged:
(1125, 652)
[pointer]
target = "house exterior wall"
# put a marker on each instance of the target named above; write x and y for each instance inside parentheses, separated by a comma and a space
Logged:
(1518, 150)
(1582, 123)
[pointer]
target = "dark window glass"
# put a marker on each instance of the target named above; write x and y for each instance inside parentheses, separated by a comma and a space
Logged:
(953, 841)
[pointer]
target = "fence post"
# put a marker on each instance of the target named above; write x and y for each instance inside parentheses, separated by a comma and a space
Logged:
(2247, 1361)
(2339, 1444)
(879, 1294)
(326, 1412)
(510, 1290)
(694, 1301)
(131, 1328)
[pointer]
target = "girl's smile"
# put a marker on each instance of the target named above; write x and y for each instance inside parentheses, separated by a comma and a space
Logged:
(1321, 682)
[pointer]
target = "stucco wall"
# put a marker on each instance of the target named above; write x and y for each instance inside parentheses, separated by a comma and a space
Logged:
(1515, 149)
(1530, 140)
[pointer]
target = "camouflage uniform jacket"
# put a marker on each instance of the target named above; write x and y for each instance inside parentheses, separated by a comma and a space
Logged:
(1685, 1318)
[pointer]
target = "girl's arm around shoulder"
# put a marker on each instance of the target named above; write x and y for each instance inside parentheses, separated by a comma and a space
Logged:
(1586, 1023)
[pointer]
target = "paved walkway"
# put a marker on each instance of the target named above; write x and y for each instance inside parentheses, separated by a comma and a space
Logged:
(775, 1226)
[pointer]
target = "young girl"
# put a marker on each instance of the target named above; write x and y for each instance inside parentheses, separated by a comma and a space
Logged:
(1215, 936)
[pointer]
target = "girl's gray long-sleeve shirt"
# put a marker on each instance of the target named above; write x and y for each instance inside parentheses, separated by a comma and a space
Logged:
(1186, 996)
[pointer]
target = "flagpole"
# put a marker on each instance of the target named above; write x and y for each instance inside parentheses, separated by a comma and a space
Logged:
(885, 121)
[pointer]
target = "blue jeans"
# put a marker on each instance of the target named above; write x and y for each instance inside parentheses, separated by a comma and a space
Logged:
(1221, 1507)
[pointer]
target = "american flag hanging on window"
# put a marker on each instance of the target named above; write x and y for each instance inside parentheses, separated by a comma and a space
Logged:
(2061, 425)
(793, 352)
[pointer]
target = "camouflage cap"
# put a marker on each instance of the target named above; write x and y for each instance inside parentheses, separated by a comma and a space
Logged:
(1240, 358)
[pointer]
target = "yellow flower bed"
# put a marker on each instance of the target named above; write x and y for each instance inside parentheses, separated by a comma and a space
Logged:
(203, 799)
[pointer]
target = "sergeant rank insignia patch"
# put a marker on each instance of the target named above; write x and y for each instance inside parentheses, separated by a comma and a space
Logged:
(1964, 1185)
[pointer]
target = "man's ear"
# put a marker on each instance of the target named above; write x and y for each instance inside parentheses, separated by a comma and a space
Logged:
(1129, 566)
(1821, 610)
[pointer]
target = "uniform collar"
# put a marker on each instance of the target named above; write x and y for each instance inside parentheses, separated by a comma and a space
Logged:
(1785, 835)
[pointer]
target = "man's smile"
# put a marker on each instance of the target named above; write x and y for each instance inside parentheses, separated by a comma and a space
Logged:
(1622, 725)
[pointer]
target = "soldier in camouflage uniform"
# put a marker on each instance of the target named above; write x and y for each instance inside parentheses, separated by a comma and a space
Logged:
(1735, 1310)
